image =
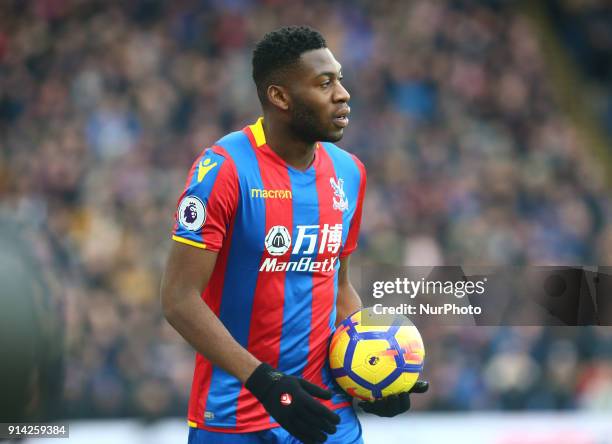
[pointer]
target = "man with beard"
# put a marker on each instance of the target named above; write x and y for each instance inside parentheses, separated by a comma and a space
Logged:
(277, 212)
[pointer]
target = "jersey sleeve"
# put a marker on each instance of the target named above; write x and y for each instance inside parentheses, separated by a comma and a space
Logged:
(208, 203)
(353, 235)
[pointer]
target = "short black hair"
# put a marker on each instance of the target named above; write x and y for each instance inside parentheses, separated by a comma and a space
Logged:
(278, 50)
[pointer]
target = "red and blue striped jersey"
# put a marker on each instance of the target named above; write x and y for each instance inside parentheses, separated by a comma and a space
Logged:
(279, 233)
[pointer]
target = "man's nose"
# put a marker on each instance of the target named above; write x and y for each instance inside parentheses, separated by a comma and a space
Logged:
(341, 95)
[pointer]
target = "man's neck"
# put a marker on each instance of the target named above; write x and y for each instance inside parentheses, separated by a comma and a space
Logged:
(283, 142)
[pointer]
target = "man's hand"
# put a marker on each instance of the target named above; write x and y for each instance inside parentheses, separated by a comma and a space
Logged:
(395, 404)
(290, 402)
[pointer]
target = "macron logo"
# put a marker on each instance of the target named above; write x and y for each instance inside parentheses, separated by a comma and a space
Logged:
(257, 193)
(204, 168)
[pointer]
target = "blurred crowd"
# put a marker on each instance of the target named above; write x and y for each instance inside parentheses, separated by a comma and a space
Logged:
(105, 104)
(585, 27)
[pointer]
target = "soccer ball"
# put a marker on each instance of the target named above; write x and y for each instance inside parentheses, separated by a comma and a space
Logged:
(371, 362)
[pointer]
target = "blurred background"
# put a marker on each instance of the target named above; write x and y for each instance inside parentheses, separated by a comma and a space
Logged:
(485, 127)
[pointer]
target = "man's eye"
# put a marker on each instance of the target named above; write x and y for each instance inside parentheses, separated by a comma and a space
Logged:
(325, 84)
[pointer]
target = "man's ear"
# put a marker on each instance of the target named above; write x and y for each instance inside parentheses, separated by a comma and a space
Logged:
(279, 97)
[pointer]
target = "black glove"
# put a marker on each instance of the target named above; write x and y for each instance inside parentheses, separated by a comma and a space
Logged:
(290, 402)
(394, 404)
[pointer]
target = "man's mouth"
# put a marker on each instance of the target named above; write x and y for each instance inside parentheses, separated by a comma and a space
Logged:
(342, 121)
(341, 117)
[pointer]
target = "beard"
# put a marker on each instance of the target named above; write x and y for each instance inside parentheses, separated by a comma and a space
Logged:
(305, 125)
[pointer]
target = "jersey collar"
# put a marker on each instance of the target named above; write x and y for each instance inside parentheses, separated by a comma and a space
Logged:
(258, 140)
(258, 133)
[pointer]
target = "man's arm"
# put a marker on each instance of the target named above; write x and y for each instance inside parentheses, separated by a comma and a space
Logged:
(187, 273)
(348, 300)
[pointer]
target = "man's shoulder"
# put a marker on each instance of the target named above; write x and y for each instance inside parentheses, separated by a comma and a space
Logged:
(343, 157)
(223, 154)
(233, 138)
(232, 144)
